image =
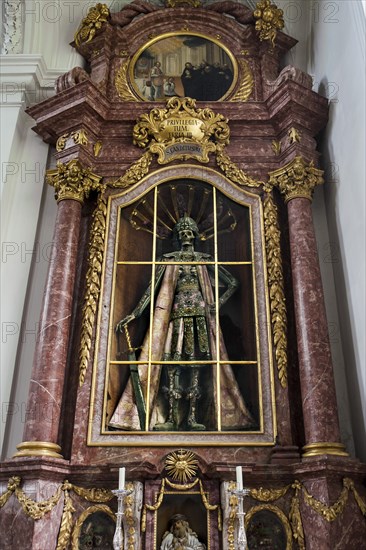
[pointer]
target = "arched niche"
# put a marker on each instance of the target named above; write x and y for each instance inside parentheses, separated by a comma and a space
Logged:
(230, 240)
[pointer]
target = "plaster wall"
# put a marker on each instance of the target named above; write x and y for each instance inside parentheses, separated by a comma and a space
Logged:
(337, 62)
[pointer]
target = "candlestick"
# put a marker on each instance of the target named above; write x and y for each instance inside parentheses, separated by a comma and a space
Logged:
(121, 479)
(239, 478)
(120, 494)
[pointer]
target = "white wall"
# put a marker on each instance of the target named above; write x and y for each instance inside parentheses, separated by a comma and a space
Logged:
(337, 61)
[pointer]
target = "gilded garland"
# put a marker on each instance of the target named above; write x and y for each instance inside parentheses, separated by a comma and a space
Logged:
(93, 282)
(37, 510)
(269, 20)
(276, 286)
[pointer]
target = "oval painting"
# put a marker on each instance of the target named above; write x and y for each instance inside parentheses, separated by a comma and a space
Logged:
(182, 65)
(266, 532)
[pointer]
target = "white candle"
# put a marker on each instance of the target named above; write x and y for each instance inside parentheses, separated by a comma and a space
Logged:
(239, 478)
(121, 479)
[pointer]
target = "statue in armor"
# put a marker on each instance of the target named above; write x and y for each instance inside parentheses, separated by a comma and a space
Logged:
(184, 329)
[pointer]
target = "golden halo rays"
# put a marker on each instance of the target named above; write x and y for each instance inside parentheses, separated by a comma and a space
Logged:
(181, 465)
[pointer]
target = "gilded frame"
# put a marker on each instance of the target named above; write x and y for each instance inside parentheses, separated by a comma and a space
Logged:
(136, 73)
(97, 435)
(278, 512)
(83, 516)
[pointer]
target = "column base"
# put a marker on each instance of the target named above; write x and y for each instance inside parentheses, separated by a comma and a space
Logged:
(38, 448)
(324, 448)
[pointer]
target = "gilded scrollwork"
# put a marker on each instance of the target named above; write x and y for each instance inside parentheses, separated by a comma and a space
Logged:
(246, 83)
(276, 286)
(135, 172)
(92, 23)
(181, 121)
(80, 137)
(93, 283)
(232, 171)
(297, 179)
(121, 83)
(61, 142)
(72, 181)
(269, 20)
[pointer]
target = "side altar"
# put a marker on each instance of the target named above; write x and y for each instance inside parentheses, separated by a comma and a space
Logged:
(183, 330)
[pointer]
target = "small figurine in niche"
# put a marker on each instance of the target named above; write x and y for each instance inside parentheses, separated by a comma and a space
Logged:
(184, 329)
(180, 536)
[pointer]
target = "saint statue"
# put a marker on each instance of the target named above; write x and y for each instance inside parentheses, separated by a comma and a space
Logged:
(180, 536)
(183, 329)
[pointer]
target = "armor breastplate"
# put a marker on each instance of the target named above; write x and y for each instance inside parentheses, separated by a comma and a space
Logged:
(188, 299)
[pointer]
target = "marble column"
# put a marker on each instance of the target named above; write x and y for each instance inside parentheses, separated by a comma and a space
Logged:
(72, 184)
(296, 181)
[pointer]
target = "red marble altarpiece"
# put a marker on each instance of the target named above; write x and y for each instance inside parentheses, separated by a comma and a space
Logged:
(241, 159)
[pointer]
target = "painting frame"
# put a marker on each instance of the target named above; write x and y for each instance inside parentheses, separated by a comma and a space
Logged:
(183, 64)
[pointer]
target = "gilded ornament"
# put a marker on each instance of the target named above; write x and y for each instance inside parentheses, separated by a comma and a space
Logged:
(129, 518)
(80, 137)
(97, 148)
(135, 172)
(64, 534)
(13, 483)
(181, 123)
(36, 510)
(295, 517)
(269, 20)
(268, 495)
(121, 84)
(91, 495)
(329, 513)
(93, 283)
(91, 24)
(233, 503)
(246, 83)
(297, 179)
(232, 171)
(276, 286)
(72, 182)
(61, 142)
(276, 146)
(294, 135)
(181, 465)
(182, 486)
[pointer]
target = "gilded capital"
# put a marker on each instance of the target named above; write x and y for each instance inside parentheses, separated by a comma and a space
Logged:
(297, 179)
(73, 182)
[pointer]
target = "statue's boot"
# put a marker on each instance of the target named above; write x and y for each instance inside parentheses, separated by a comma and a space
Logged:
(193, 395)
(174, 394)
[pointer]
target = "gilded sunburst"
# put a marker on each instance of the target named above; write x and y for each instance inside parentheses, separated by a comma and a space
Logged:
(181, 465)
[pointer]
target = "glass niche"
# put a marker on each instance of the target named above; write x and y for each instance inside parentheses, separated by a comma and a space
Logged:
(183, 65)
(183, 350)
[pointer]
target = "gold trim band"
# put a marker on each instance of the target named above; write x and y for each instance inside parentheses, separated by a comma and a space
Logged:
(326, 448)
(38, 448)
